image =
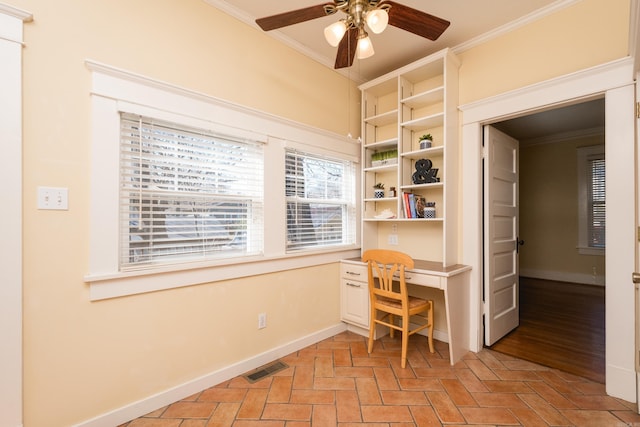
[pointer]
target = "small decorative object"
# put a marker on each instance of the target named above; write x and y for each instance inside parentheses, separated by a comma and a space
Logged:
(384, 158)
(421, 203)
(385, 214)
(425, 141)
(424, 173)
(392, 191)
(378, 190)
(429, 210)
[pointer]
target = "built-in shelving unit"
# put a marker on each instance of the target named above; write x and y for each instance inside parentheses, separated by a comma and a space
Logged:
(397, 108)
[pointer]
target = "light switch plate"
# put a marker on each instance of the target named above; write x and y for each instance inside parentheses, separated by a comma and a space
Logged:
(53, 198)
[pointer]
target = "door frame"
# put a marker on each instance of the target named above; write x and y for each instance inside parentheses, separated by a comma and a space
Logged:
(616, 81)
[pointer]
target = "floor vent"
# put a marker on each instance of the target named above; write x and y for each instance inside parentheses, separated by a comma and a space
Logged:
(265, 371)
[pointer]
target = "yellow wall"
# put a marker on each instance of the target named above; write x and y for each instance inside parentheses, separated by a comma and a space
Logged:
(549, 211)
(580, 36)
(82, 359)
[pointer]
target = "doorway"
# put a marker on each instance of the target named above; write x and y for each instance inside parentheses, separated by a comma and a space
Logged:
(560, 282)
(615, 81)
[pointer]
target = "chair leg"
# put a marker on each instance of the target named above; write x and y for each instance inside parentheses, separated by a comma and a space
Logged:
(391, 330)
(372, 328)
(405, 341)
(430, 319)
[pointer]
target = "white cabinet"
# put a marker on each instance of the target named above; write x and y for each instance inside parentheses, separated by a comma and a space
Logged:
(398, 108)
(354, 294)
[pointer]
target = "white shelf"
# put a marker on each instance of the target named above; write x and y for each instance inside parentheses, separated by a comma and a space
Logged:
(381, 168)
(382, 145)
(429, 186)
(383, 119)
(381, 199)
(432, 121)
(419, 154)
(424, 99)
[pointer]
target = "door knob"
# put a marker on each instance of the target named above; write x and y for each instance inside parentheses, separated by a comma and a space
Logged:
(519, 242)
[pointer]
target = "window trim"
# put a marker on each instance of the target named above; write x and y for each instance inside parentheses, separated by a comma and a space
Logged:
(113, 91)
(583, 199)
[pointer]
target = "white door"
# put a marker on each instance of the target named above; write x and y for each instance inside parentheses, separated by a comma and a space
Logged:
(501, 286)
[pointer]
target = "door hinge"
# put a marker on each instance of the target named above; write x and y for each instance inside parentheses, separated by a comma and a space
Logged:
(637, 110)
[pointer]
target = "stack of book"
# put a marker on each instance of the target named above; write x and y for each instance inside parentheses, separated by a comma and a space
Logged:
(413, 205)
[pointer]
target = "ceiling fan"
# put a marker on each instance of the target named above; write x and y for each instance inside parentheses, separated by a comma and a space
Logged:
(349, 33)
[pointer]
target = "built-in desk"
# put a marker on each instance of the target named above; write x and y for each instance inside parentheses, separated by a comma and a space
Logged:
(452, 280)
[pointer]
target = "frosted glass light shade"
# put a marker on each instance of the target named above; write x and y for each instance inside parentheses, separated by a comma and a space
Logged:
(365, 48)
(334, 33)
(377, 20)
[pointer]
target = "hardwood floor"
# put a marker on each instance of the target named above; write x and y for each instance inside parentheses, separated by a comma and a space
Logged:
(561, 326)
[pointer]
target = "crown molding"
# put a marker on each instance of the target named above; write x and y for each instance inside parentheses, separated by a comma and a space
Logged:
(16, 13)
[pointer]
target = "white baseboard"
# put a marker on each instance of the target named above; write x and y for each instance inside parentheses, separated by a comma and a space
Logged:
(151, 403)
(562, 276)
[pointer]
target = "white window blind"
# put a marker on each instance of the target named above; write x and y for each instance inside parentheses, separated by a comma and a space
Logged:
(320, 197)
(187, 194)
(596, 201)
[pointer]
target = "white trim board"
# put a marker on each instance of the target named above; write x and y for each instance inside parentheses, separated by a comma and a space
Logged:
(174, 394)
(11, 260)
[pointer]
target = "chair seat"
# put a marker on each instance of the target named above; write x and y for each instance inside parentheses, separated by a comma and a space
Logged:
(413, 302)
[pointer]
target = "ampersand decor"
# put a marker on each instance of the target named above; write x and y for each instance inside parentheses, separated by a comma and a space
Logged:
(424, 173)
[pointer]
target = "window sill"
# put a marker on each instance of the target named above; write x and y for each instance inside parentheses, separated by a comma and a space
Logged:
(119, 284)
(585, 250)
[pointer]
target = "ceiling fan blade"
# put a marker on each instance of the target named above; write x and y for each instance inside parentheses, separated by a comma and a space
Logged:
(294, 16)
(347, 49)
(416, 21)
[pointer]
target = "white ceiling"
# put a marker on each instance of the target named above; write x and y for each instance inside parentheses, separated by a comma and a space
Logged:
(472, 21)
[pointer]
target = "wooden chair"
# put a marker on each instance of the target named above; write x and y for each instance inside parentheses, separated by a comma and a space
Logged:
(385, 268)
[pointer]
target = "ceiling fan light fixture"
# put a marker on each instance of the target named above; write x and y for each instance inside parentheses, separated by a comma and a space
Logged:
(334, 33)
(377, 20)
(365, 47)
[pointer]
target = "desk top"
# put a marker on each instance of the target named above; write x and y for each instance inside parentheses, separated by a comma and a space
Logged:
(421, 266)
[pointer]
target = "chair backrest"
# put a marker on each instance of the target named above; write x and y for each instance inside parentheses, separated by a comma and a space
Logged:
(387, 266)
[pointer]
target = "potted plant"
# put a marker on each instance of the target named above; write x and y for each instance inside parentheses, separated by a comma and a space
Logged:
(378, 190)
(425, 141)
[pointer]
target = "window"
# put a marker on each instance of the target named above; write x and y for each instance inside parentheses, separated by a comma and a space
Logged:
(186, 194)
(592, 201)
(178, 188)
(320, 201)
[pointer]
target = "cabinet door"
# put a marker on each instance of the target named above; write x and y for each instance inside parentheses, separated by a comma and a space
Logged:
(355, 302)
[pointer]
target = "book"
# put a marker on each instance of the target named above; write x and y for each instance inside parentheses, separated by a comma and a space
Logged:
(405, 205)
(412, 205)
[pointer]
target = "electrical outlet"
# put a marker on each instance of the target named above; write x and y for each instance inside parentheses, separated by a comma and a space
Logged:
(51, 198)
(262, 320)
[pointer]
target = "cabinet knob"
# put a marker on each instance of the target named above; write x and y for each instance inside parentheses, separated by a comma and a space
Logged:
(353, 273)
(355, 285)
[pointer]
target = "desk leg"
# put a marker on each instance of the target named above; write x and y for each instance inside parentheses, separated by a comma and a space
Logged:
(456, 297)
